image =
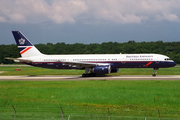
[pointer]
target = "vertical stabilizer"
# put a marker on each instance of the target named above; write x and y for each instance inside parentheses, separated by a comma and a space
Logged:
(26, 48)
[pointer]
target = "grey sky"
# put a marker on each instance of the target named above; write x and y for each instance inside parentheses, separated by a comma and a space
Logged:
(90, 21)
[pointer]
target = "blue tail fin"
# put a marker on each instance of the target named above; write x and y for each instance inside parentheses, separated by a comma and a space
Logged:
(21, 40)
(26, 48)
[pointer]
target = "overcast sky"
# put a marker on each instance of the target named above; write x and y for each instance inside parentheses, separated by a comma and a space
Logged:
(90, 21)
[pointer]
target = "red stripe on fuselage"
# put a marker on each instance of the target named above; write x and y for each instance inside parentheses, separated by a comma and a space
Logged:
(25, 50)
(148, 64)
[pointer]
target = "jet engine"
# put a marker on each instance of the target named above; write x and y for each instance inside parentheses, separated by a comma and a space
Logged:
(103, 69)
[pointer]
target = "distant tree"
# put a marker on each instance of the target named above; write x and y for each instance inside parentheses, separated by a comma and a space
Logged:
(171, 49)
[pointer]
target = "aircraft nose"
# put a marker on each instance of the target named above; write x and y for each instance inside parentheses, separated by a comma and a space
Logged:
(173, 64)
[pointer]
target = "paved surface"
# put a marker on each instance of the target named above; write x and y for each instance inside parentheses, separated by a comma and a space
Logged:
(75, 77)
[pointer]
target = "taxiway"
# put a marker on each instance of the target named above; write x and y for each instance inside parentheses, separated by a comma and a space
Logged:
(77, 77)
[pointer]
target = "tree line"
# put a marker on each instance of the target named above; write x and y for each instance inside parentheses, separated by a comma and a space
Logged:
(171, 49)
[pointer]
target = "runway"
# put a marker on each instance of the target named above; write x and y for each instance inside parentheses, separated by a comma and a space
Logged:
(79, 78)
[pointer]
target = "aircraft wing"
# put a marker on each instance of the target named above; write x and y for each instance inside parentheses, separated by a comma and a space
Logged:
(18, 59)
(79, 64)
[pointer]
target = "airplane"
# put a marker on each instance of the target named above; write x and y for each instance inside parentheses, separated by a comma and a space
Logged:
(92, 63)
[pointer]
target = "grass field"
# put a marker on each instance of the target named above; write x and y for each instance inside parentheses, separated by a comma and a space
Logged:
(123, 98)
(87, 100)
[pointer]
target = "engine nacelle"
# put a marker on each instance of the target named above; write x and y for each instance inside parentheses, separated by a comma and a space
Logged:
(103, 69)
(115, 70)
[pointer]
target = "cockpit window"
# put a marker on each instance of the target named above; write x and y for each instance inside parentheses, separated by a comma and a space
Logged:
(167, 59)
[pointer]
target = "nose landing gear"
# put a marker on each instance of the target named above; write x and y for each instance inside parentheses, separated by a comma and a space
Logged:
(154, 74)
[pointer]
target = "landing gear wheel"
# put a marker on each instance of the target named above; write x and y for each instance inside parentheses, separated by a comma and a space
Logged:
(154, 75)
(84, 75)
(92, 74)
(89, 75)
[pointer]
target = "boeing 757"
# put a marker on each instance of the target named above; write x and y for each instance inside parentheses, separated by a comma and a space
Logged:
(92, 63)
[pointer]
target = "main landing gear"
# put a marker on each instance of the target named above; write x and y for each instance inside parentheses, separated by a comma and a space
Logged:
(87, 74)
(154, 74)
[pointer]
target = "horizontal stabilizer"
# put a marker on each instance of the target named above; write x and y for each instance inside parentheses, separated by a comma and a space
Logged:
(19, 59)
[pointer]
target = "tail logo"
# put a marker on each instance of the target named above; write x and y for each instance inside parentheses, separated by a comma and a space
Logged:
(21, 41)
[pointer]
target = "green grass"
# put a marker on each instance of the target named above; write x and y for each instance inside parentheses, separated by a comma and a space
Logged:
(125, 71)
(86, 100)
(42, 99)
(38, 71)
